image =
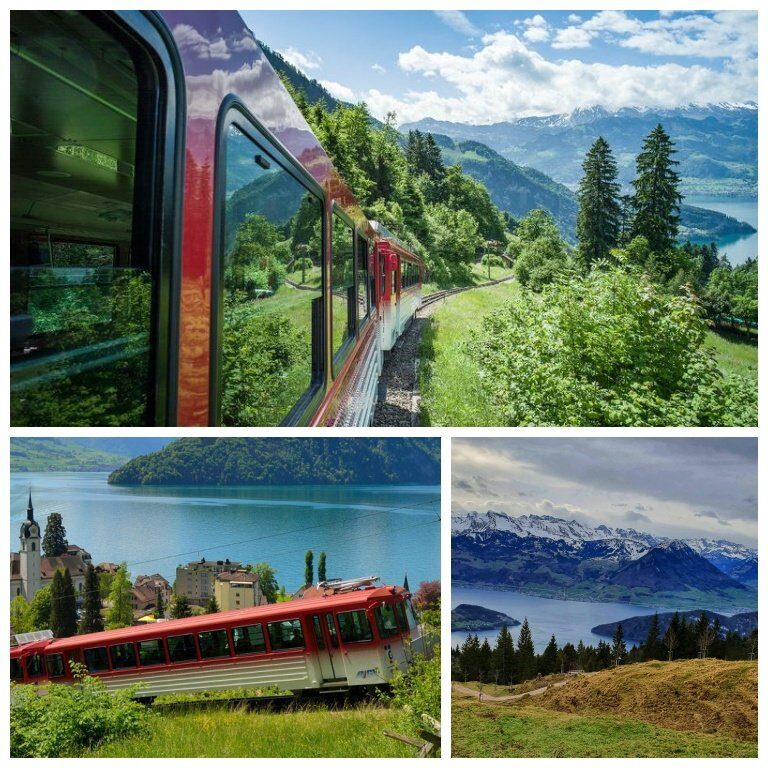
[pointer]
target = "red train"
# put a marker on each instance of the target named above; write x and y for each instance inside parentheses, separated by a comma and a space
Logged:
(328, 642)
(183, 251)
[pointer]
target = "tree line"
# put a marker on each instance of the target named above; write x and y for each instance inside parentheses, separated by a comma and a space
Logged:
(509, 663)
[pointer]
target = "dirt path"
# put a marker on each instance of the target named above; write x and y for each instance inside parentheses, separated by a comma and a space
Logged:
(512, 696)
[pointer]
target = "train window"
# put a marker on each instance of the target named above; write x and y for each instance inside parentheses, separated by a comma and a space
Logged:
(34, 665)
(363, 283)
(354, 627)
(213, 644)
(342, 284)
(402, 619)
(123, 655)
(151, 653)
(386, 620)
(285, 634)
(383, 260)
(82, 269)
(55, 665)
(318, 632)
(96, 659)
(411, 616)
(16, 673)
(329, 622)
(249, 639)
(271, 287)
(182, 648)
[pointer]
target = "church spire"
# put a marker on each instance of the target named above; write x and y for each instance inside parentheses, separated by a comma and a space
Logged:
(30, 508)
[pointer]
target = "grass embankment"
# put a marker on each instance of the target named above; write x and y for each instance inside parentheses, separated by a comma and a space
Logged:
(657, 709)
(477, 276)
(736, 352)
(221, 732)
(449, 381)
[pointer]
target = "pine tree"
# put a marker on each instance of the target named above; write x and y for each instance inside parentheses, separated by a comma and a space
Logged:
(309, 567)
(92, 620)
(504, 656)
(526, 655)
(120, 613)
(55, 538)
(321, 568)
(656, 201)
(63, 605)
(598, 226)
(651, 644)
(180, 607)
(672, 636)
(159, 604)
(548, 660)
(618, 649)
(212, 605)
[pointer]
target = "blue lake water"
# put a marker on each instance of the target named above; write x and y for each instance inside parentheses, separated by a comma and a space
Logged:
(365, 530)
(739, 249)
(569, 620)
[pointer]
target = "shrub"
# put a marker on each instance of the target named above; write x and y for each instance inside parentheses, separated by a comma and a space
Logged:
(63, 720)
(606, 349)
(417, 691)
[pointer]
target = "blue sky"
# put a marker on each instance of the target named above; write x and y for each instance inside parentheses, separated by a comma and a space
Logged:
(487, 66)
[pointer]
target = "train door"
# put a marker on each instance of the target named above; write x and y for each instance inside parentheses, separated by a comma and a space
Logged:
(331, 664)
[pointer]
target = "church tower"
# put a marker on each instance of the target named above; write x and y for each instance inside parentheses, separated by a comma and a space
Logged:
(29, 554)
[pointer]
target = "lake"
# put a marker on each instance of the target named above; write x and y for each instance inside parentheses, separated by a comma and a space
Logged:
(739, 249)
(569, 620)
(379, 530)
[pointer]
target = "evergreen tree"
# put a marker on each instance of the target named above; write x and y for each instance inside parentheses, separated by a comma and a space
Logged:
(618, 649)
(470, 658)
(321, 572)
(548, 660)
(504, 656)
(180, 607)
(672, 636)
(55, 538)
(485, 663)
(120, 612)
(309, 567)
(651, 644)
(526, 655)
(598, 226)
(656, 201)
(159, 604)
(92, 620)
(212, 605)
(63, 605)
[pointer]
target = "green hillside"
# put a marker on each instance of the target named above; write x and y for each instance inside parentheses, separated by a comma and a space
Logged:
(290, 461)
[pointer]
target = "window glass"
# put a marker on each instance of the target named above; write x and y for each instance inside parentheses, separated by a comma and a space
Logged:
(34, 665)
(272, 287)
(213, 644)
(182, 648)
(151, 653)
(342, 283)
(363, 296)
(354, 626)
(412, 620)
(386, 620)
(318, 632)
(402, 619)
(123, 655)
(96, 659)
(55, 665)
(285, 634)
(331, 624)
(81, 277)
(249, 639)
(16, 673)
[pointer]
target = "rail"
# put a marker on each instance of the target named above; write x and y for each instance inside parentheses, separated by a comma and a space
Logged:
(431, 298)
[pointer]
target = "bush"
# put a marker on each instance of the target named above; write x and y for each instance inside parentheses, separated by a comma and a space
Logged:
(606, 349)
(63, 720)
(417, 691)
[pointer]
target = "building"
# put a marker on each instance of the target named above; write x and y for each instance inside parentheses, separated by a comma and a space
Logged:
(30, 571)
(144, 592)
(195, 580)
(237, 589)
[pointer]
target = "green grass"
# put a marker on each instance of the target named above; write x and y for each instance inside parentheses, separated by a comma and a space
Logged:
(477, 275)
(303, 733)
(484, 730)
(736, 352)
(449, 383)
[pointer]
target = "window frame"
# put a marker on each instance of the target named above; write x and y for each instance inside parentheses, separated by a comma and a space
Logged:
(234, 111)
(361, 241)
(339, 357)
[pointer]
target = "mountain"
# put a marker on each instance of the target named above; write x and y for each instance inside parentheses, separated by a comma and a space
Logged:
(717, 143)
(636, 628)
(545, 555)
(77, 454)
(286, 461)
(475, 618)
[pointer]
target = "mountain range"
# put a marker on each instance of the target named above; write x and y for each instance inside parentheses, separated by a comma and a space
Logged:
(553, 557)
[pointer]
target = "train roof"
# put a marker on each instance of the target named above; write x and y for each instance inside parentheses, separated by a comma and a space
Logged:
(238, 616)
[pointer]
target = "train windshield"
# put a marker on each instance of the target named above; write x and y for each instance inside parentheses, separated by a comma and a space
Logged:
(386, 620)
(81, 274)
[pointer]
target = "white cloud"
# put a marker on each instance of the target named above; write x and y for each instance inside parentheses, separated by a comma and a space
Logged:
(338, 91)
(536, 29)
(378, 68)
(572, 37)
(574, 18)
(458, 21)
(304, 61)
(188, 38)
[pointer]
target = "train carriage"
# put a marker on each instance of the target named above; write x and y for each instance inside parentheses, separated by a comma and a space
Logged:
(326, 642)
(183, 251)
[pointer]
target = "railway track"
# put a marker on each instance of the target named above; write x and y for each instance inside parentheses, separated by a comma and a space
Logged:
(277, 703)
(398, 405)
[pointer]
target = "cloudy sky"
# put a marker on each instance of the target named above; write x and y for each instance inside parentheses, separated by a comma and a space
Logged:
(676, 487)
(486, 66)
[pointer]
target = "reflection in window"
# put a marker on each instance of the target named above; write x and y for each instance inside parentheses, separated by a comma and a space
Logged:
(342, 284)
(96, 659)
(81, 290)
(151, 653)
(34, 665)
(386, 620)
(123, 655)
(363, 284)
(354, 626)
(213, 644)
(55, 665)
(272, 286)
(285, 634)
(249, 639)
(181, 648)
